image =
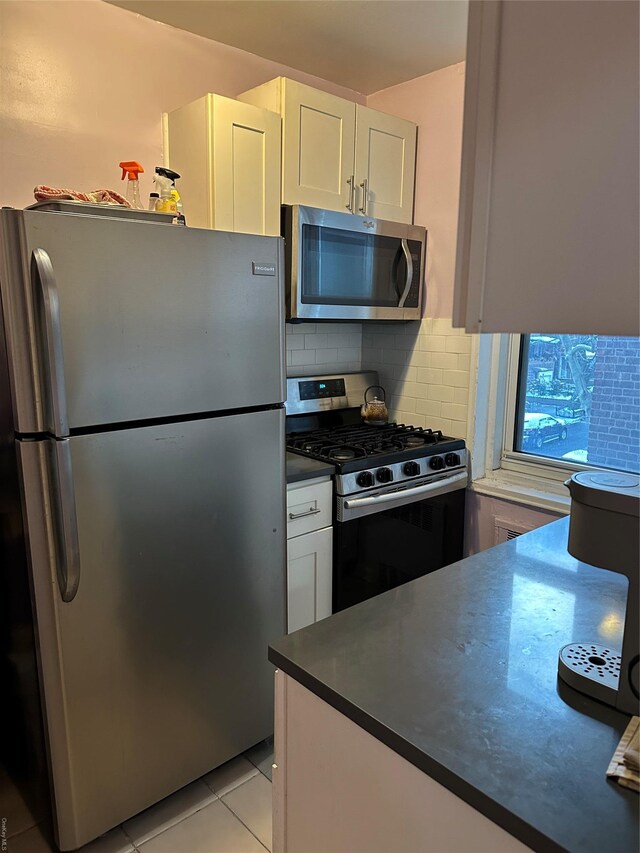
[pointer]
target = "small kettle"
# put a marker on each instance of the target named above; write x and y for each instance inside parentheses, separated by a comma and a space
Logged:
(375, 411)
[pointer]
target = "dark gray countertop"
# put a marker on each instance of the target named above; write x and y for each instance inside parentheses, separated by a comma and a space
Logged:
(457, 672)
(303, 468)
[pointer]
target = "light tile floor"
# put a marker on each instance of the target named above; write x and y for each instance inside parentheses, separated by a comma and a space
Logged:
(227, 811)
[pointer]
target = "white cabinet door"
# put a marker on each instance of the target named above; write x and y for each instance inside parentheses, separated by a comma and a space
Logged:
(309, 581)
(338, 155)
(337, 787)
(228, 154)
(246, 168)
(318, 148)
(385, 165)
(548, 221)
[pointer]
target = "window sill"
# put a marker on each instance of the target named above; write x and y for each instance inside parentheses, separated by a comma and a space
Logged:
(524, 489)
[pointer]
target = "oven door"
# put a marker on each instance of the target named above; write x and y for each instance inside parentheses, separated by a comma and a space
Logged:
(346, 267)
(398, 538)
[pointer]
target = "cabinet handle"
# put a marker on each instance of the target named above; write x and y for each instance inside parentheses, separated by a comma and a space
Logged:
(365, 192)
(351, 180)
(310, 511)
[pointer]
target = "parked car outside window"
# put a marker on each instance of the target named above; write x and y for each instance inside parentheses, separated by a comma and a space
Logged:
(539, 428)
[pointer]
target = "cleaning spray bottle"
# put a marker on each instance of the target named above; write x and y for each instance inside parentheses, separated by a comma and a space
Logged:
(169, 197)
(132, 170)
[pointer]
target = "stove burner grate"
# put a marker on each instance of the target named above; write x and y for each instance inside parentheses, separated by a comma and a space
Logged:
(345, 443)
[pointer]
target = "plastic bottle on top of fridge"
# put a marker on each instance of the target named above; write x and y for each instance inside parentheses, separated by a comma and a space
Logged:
(132, 169)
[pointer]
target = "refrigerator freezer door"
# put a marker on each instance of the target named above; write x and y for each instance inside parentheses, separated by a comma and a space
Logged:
(111, 321)
(156, 670)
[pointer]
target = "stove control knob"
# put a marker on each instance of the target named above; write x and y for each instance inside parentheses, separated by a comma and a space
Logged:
(411, 469)
(436, 462)
(365, 479)
(384, 475)
(452, 459)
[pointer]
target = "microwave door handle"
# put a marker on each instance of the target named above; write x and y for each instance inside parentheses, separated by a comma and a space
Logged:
(397, 267)
(409, 278)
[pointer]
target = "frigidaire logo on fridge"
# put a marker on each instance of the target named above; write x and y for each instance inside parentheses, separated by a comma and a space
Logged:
(263, 269)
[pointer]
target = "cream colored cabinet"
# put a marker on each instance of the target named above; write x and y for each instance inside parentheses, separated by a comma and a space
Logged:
(548, 220)
(228, 154)
(384, 165)
(309, 578)
(309, 552)
(338, 155)
(337, 787)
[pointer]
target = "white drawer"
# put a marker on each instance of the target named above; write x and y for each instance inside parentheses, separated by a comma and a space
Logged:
(308, 507)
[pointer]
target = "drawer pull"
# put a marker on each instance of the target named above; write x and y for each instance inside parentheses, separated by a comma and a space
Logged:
(310, 511)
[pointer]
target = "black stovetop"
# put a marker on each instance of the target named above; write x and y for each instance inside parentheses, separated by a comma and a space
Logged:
(354, 446)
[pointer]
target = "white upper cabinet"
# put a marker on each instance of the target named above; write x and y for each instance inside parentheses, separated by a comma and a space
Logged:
(384, 165)
(338, 155)
(318, 139)
(228, 154)
(548, 221)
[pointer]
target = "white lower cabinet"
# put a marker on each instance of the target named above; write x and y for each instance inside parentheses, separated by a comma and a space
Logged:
(337, 787)
(309, 553)
(309, 578)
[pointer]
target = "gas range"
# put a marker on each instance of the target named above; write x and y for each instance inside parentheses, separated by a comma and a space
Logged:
(399, 490)
(365, 456)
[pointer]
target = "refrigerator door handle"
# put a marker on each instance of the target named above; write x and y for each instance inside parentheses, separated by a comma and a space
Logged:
(46, 296)
(68, 562)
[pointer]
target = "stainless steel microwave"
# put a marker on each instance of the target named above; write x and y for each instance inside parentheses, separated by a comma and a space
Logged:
(345, 267)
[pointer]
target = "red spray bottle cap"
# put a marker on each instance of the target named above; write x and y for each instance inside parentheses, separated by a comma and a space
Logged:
(131, 169)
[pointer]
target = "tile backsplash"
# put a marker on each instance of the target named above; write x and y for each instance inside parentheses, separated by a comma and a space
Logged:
(425, 369)
(323, 348)
(423, 366)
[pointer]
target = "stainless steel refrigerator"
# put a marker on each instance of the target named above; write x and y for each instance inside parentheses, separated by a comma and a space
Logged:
(144, 383)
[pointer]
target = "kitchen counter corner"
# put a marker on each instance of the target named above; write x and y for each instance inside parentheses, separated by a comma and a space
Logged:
(457, 673)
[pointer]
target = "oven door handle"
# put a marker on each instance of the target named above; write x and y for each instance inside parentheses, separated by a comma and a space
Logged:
(403, 494)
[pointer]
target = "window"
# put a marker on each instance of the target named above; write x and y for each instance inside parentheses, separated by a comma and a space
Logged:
(546, 405)
(577, 400)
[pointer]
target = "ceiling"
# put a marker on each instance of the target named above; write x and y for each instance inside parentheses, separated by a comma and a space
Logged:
(366, 45)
